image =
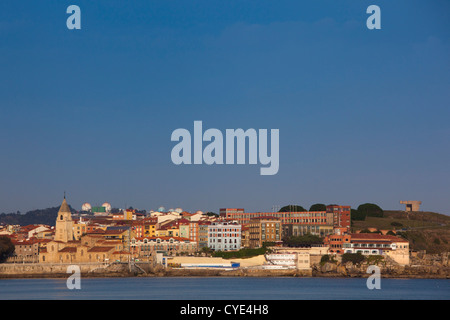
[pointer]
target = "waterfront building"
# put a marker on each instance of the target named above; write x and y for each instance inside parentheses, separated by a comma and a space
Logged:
(143, 247)
(264, 229)
(306, 256)
(370, 244)
(288, 260)
(203, 234)
(245, 236)
(25, 251)
(98, 246)
(224, 236)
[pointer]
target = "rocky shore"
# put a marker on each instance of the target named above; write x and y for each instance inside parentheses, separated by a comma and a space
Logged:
(423, 266)
(326, 270)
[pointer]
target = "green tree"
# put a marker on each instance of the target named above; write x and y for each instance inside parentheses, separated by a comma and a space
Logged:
(357, 216)
(370, 210)
(292, 208)
(318, 207)
(355, 258)
(210, 214)
(6, 248)
(325, 258)
(305, 240)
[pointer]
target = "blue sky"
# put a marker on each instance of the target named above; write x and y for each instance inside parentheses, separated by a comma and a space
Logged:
(363, 114)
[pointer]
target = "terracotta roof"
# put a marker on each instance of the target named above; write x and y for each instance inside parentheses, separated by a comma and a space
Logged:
(120, 252)
(68, 249)
(100, 249)
(24, 242)
(375, 237)
(114, 231)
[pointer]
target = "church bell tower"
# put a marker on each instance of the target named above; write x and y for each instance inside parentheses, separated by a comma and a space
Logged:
(64, 223)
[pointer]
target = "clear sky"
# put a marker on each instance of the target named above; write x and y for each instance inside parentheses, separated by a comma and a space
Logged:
(363, 114)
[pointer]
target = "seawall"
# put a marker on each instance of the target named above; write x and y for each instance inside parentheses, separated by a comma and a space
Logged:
(60, 270)
(91, 270)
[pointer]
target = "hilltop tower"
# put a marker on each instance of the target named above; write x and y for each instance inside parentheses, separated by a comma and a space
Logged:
(64, 223)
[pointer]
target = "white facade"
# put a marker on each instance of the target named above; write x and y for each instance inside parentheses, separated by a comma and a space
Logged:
(295, 260)
(224, 236)
(282, 259)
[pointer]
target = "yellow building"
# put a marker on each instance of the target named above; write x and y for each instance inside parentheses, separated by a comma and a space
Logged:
(79, 229)
(128, 214)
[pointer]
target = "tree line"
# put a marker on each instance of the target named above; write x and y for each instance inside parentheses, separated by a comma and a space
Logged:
(364, 210)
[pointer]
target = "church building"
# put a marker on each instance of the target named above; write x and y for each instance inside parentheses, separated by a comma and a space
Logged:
(89, 248)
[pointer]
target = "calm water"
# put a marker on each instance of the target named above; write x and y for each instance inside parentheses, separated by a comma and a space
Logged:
(224, 289)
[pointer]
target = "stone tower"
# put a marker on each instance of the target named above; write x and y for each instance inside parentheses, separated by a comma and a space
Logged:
(64, 223)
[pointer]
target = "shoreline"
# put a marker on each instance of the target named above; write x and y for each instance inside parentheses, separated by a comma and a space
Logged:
(198, 273)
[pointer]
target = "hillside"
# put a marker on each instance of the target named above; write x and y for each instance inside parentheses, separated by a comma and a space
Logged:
(40, 216)
(428, 231)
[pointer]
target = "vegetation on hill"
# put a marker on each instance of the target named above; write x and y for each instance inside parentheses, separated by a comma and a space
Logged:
(355, 258)
(40, 216)
(367, 210)
(428, 231)
(292, 208)
(318, 207)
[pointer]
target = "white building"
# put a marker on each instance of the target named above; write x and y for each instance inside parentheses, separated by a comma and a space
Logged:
(293, 260)
(224, 236)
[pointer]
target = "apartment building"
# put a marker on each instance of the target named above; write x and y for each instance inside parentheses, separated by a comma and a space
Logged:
(264, 229)
(224, 236)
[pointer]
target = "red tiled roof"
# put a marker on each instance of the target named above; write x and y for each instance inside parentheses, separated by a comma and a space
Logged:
(68, 249)
(375, 237)
(120, 252)
(24, 242)
(100, 249)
